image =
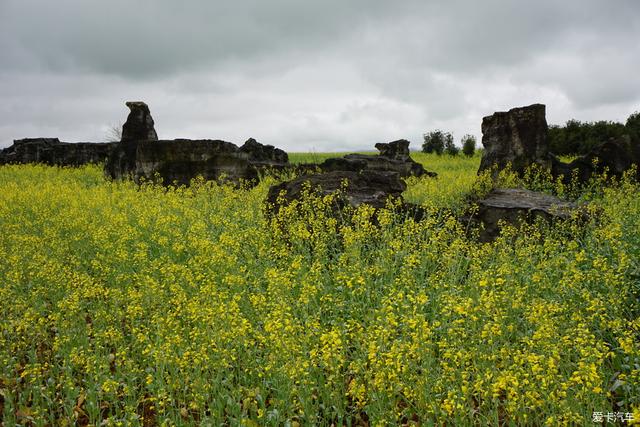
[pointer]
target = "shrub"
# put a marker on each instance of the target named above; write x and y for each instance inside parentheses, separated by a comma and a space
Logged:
(468, 145)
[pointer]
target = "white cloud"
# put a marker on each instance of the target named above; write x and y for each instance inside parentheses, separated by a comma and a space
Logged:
(321, 76)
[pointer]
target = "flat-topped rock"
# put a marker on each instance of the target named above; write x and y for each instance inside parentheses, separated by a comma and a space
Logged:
(518, 198)
(514, 206)
(51, 151)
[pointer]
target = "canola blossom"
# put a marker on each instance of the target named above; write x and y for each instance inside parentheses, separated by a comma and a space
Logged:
(145, 305)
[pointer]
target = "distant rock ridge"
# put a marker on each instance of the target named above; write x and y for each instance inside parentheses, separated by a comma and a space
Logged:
(615, 156)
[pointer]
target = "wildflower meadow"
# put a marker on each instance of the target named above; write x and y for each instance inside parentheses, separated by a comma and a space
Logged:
(148, 305)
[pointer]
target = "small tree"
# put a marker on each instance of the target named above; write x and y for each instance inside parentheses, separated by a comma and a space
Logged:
(434, 141)
(468, 145)
(449, 146)
(114, 133)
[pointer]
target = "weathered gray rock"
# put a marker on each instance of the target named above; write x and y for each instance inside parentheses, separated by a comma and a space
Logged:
(51, 151)
(394, 157)
(139, 125)
(264, 155)
(517, 137)
(615, 157)
(370, 187)
(515, 206)
(179, 161)
(373, 188)
(395, 150)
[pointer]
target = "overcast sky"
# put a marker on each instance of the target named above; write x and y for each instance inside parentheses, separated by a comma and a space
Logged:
(311, 75)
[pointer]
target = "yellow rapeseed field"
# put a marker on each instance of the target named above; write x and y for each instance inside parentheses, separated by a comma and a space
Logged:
(125, 305)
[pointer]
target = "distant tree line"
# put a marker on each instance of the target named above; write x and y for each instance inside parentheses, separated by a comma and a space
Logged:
(577, 138)
(440, 142)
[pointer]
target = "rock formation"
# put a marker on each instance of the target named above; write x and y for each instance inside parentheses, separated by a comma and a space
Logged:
(179, 161)
(141, 155)
(139, 125)
(517, 137)
(615, 156)
(372, 179)
(262, 155)
(370, 187)
(394, 157)
(52, 152)
(395, 150)
(515, 206)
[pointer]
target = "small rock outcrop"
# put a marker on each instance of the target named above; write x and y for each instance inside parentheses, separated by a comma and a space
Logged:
(139, 125)
(394, 157)
(51, 151)
(262, 155)
(615, 157)
(514, 206)
(395, 150)
(517, 137)
(370, 187)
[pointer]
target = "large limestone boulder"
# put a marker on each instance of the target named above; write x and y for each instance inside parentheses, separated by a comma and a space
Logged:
(395, 150)
(52, 151)
(517, 137)
(515, 206)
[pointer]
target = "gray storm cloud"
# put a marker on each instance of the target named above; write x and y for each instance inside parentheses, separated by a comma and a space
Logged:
(321, 76)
